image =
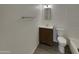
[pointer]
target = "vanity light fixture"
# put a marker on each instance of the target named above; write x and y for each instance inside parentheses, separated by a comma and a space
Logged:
(47, 6)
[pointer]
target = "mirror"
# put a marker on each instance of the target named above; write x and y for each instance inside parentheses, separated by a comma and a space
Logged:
(47, 12)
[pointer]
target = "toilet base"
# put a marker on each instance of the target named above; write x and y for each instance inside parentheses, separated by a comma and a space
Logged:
(61, 49)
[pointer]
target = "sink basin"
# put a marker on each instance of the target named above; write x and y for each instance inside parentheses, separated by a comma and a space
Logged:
(49, 27)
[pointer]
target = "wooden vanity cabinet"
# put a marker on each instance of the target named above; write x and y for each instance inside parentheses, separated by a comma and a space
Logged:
(46, 36)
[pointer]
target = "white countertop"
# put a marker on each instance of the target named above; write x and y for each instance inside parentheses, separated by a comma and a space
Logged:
(49, 27)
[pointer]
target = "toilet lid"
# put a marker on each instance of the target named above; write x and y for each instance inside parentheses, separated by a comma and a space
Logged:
(62, 40)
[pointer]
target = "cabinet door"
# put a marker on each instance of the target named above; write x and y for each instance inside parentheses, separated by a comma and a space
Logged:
(46, 36)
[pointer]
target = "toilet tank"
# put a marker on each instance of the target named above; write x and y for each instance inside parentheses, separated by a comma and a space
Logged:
(60, 31)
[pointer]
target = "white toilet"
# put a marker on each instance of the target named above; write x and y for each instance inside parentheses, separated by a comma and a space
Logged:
(62, 41)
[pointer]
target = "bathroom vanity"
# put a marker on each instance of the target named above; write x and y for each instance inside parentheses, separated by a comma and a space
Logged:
(46, 35)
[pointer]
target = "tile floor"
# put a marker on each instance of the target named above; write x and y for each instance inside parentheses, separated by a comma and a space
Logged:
(44, 49)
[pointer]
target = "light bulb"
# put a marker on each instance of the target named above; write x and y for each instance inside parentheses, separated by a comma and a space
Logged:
(47, 6)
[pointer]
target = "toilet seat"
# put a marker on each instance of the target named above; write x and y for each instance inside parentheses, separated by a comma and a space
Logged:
(61, 40)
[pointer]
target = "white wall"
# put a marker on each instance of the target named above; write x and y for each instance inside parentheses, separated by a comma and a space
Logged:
(67, 17)
(17, 35)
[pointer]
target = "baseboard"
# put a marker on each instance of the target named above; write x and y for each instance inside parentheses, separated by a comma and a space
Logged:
(35, 48)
